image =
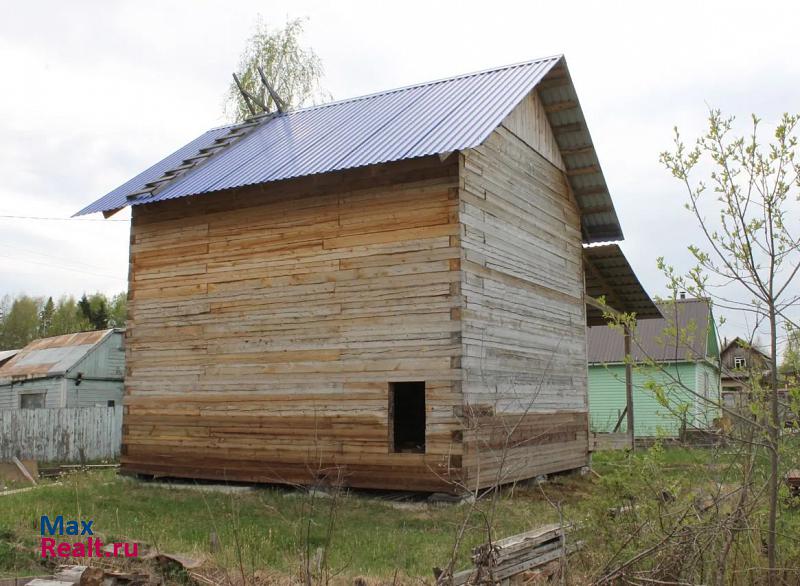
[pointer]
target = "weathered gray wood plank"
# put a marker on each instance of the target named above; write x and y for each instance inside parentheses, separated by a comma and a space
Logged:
(61, 435)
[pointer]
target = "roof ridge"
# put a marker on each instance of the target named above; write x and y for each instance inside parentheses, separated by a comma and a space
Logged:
(423, 84)
(401, 88)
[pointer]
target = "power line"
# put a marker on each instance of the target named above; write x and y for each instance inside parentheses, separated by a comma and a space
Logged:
(5, 217)
(48, 256)
(63, 268)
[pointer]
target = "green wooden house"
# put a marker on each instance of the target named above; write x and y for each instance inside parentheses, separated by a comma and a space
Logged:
(688, 371)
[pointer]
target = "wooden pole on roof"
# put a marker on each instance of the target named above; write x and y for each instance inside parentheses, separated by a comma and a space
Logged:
(279, 103)
(629, 385)
(249, 99)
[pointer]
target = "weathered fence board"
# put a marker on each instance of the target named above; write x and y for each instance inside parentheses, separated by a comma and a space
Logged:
(499, 561)
(61, 435)
(610, 441)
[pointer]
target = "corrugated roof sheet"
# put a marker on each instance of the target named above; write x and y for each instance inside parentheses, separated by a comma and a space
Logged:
(51, 356)
(656, 338)
(609, 275)
(427, 119)
(6, 355)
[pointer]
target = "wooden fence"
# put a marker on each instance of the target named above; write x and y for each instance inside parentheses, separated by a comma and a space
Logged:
(70, 435)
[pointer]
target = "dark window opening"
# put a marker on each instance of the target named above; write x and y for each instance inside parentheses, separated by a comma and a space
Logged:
(31, 401)
(407, 417)
(111, 403)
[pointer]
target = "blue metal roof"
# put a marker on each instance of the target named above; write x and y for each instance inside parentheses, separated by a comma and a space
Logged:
(427, 119)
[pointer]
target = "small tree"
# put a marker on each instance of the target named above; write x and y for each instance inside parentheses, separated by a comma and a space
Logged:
(68, 318)
(95, 310)
(293, 70)
(20, 324)
(118, 310)
(46, 318)
(751, 251)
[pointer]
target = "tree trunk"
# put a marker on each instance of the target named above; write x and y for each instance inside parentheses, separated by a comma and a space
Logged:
(774, 438)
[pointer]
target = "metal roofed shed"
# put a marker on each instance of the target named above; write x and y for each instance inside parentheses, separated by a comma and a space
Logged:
(81, 369)
(427, 119)
(6, 355)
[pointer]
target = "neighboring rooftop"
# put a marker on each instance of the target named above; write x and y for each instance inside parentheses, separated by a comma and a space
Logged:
(6, 355)
(48, 357)
(691, 319)
(738, 342)
(432, 118)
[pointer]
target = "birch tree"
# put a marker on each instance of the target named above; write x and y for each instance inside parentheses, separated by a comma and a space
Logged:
(293, 70)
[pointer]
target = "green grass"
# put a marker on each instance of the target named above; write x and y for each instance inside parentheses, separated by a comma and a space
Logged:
(271, 528)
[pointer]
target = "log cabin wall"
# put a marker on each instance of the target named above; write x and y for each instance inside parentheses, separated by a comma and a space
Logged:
(267, 324)
(523, 320)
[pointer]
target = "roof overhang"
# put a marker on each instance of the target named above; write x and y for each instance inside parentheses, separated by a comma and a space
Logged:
(599, 222)
(432, 118)
(609, 275)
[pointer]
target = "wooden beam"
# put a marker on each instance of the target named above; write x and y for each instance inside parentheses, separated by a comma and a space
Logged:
(590, 191)
(597, 209)
(577, 150)
(249, 98)
(615, 300)
(592, 302)
(619, 421)
(588, 170)
(553, 82)
(279, 103)
(629, 385)
(560, 106)
(23, 470)
(568, 127)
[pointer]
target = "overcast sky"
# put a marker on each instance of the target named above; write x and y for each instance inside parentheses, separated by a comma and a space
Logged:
(95, 92)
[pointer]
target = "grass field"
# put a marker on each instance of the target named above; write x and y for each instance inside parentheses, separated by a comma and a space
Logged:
(271, 529)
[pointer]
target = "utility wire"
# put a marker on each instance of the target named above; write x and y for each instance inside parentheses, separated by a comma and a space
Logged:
(54, 266)
(49, 256)
(6, 217)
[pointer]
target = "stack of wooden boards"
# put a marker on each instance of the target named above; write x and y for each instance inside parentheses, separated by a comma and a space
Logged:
(497, 562)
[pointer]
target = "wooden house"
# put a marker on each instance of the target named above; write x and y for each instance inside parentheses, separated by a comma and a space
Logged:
(746, 381)
(86, 369)
(678, 352)
(386, 291)
(744, 367)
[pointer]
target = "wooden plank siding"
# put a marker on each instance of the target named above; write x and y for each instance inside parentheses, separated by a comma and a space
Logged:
(523, 319)
(267, 323)
(528, 121)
